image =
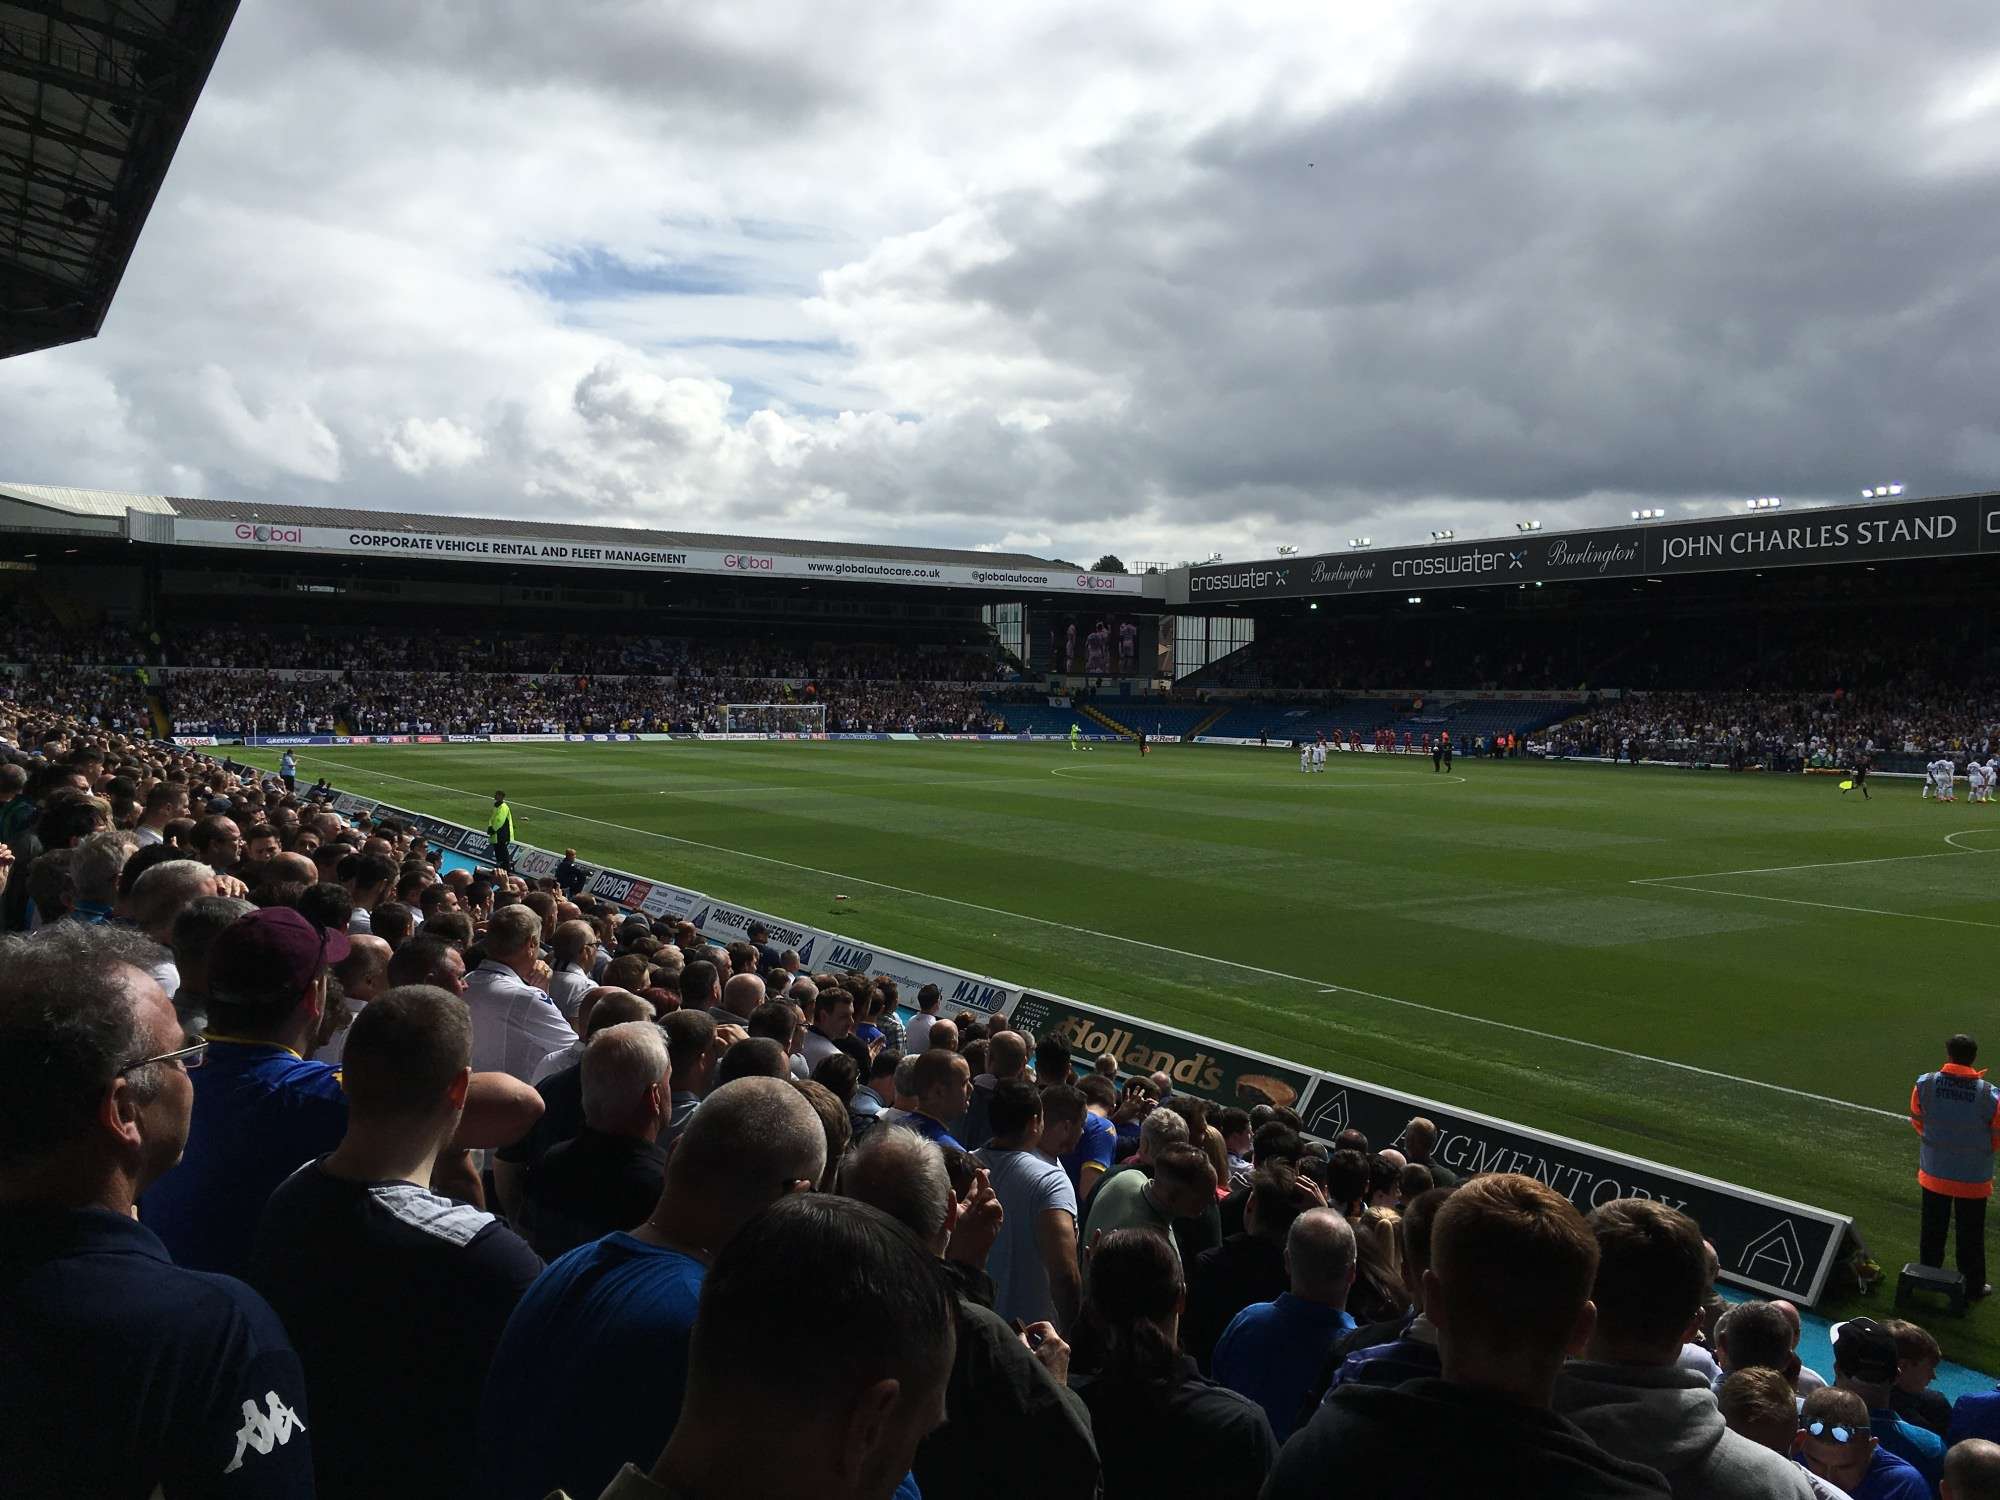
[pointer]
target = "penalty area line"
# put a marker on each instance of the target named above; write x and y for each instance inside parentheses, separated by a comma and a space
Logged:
(1115, 937)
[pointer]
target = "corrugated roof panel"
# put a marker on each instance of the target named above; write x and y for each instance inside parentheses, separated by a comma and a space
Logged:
(87, 502)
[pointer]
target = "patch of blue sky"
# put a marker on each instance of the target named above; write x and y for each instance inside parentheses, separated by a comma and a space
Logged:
(591, 273)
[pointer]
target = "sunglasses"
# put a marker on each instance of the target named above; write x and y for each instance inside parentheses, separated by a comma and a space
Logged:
(1835, 1432)
(189, 1057)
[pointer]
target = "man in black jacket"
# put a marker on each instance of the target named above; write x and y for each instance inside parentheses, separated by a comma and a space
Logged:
(1247, 1267)
(1007, 1401)
(1509, 1292)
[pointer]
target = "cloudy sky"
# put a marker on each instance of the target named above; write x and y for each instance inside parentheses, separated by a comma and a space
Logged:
(1160, 278)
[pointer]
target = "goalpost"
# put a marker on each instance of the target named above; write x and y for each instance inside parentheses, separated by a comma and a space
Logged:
(784, 720)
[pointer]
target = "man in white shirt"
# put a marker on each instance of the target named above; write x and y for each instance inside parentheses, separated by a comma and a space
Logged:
(1033, 1263)
(833, 1020)
(918, 1033)
(164, 803)
(514, 1024)
(573, 956)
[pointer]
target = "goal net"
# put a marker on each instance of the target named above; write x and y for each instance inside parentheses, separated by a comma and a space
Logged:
(781, 720)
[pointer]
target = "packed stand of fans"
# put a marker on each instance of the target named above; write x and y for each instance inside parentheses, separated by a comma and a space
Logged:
(232, 681)
(323, 1171)
(1787, 732)
(238, 703)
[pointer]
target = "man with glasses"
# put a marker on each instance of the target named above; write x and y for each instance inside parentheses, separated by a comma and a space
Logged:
(120, 1372)
(264, 1107)
(1836, 1443)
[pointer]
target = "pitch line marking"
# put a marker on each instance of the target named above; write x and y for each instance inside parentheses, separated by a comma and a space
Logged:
(1830, 864)
(1115, 937)
(1872, 911)
(1953, 840)
(1069, 772)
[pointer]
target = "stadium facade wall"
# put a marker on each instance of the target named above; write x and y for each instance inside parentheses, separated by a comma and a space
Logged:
(1765, 1243)
(513, 550)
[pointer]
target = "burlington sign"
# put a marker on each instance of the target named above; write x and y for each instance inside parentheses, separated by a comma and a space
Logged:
(1955, 526)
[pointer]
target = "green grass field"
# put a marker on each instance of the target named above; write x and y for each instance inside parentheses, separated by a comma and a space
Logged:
(1535, 941)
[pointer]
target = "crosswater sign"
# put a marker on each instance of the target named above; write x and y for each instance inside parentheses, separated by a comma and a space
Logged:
(1956, 526)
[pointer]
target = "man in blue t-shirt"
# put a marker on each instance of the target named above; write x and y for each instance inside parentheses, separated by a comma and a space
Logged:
(1864, 1362)
(120, 1372)
(262, 1108)
(943, 1082)
(1836, 1443)
(607, 1326)
(1273, 1352)
(1097, 1148)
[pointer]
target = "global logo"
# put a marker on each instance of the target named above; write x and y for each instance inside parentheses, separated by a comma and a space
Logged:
(1096, 581)
(746, 563)
(245, 532)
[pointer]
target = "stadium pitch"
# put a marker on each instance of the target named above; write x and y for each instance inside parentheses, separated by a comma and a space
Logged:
(1740, 975)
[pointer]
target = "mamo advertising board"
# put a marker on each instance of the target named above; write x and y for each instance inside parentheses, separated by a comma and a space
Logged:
(961, 991)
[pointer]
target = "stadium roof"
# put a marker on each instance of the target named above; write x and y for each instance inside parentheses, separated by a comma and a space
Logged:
(114, 503)
(94, 96)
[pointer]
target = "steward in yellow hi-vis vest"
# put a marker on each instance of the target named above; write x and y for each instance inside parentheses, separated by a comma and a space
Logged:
(1957, 1113)
(500, 832)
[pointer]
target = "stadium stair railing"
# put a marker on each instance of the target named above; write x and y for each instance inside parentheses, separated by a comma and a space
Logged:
(1107, 721)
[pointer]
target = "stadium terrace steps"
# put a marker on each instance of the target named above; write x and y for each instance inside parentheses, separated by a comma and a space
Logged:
(1099, 716)
(1207, 724)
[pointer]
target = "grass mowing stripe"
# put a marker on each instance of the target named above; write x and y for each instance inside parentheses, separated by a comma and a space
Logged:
(1345, 989)
(1509, 898)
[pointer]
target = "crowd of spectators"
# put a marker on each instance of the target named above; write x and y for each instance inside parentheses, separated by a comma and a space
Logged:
(324, 1170)
(1787, 731)
(214, 702)
(231, 681)
(31, 636)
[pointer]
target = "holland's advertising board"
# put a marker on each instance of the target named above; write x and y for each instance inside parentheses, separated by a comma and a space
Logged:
(1766, 1243)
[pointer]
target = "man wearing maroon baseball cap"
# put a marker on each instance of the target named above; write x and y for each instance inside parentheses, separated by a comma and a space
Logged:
(262, 1108)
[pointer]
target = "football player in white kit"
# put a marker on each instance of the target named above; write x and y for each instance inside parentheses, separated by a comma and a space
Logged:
(1319, 753)
(1944, 777)
(1981, 781)
(1305, 756)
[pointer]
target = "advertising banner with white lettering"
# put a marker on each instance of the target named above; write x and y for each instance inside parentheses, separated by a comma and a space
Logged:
(1768, 1244)
(725, 924)
(637, 555)
(961, 991)
(1955, 526)
(1199, 1066)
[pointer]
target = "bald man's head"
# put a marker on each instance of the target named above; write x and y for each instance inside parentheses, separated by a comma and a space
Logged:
(364, 973)
(742, 994)
(605, 1006)
(1972, 1471)
(750, 1143)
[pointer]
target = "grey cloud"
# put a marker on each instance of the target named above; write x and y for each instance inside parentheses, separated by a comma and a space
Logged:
(1724, 273)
